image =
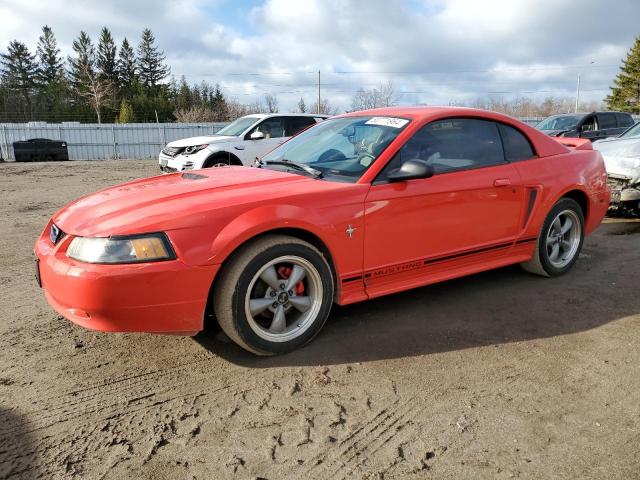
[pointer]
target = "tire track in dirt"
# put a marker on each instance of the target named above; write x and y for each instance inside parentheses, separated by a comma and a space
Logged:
(366, 438)
(70, 406)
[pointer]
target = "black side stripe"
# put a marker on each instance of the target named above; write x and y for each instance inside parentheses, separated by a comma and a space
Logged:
(464, 254)
(352, 279)
(429, 261)
(526, 240)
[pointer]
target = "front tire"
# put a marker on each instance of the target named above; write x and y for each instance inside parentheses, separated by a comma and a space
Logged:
(560, 240)
(274, 295)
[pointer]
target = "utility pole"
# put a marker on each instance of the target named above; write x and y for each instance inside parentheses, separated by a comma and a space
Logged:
(318, 112)
(577, 94)
(578, 88)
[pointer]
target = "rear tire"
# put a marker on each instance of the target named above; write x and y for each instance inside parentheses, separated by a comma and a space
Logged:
(274, 295)
(560, 240)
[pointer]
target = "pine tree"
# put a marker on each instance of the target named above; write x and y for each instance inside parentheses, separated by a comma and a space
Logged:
(88, 84)
(82, 65)
(625, 93)
(219, 105)
(151, 67)
(126, 68)
(183, 95)
(106, 61)
(50, 63)
(19, 69)
(302, 107)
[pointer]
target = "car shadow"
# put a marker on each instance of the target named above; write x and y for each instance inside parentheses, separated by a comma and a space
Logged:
(490, 308)
(17, 447)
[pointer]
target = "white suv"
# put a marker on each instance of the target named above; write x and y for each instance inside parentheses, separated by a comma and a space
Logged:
(239, 143)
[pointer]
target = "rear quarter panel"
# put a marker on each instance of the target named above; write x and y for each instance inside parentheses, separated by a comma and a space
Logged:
(557, 175)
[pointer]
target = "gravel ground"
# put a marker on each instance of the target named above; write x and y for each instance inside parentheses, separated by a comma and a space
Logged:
(498, 375)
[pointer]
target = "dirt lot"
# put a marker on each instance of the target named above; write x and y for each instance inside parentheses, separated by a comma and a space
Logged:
(500, 375)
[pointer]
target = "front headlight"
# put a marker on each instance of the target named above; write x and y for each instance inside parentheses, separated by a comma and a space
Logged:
(151, 247)
(195, 148)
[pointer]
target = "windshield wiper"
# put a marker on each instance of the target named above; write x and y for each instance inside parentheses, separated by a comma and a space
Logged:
(300, 166)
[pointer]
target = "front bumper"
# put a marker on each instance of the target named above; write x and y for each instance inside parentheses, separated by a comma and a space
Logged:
(623, 194)
(179, 163)
(158, 297)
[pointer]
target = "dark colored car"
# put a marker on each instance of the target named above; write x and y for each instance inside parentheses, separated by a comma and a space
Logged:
(40, 150)
(594, 125)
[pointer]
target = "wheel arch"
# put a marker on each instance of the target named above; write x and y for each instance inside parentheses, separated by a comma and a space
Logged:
(227, 156)
(581, 198)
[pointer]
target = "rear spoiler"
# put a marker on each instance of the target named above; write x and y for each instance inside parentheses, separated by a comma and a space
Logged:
(575, 143)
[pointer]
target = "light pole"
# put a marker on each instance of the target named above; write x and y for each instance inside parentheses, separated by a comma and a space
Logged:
(577, 94)
(578, 89)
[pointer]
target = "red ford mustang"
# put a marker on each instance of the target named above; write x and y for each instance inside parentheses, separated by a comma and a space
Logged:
(359, 206)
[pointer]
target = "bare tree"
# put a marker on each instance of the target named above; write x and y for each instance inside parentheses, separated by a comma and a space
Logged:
(384, 96)
(197, 113)
(528, 107)
(235, 109)
(325, 108)
(99, 92)
(272, 103)
(302, 107)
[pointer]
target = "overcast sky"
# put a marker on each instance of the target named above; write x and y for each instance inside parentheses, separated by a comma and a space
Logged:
(434, 51)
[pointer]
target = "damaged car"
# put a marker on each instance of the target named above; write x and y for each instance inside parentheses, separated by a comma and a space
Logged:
(622, 161)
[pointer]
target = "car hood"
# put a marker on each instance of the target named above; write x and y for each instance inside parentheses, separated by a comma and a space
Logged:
(188, 142)
(179, 200)
(621, 156)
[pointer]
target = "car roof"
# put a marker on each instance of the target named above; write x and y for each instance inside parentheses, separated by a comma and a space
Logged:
(269, 115)
(545, 145)
(423, 112)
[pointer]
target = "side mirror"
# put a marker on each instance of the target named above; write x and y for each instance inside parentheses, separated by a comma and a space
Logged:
(410, 170)
(257, 135)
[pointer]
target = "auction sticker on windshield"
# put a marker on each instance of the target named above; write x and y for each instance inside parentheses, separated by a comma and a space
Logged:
(387, 122)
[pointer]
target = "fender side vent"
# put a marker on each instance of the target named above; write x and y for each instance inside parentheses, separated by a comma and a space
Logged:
(532, 201)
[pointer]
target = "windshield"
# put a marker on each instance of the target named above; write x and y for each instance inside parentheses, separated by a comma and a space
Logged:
(235, 129)
(561, 122)
(342, 148)
(633, 132)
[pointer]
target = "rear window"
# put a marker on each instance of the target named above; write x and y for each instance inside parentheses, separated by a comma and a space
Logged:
(606, 120)
(624, 120)
(516, 146)
(297, 124)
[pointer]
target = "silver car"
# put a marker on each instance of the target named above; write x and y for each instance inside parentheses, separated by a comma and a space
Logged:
(622, 159)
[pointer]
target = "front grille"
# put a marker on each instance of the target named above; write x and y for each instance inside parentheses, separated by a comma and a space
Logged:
(55, 234)
(172, 151)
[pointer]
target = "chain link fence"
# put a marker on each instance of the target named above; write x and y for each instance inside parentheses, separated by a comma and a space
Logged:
(104, 141)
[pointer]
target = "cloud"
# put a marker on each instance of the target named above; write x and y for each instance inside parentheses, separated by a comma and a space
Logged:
(434, 51)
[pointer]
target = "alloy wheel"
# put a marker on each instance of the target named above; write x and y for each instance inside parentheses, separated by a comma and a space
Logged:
(284, 298)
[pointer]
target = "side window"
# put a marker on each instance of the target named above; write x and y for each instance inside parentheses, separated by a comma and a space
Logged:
(297, 124)
(589, 124)
(606, 120)
(624, 120)
(516, 145)
(271, 128)
(452, 144)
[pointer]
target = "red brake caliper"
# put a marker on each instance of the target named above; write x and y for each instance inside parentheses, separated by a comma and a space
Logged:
(284, 273)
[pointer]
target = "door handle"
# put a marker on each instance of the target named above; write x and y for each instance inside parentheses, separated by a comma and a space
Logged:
(501, 182)
(239, 147)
